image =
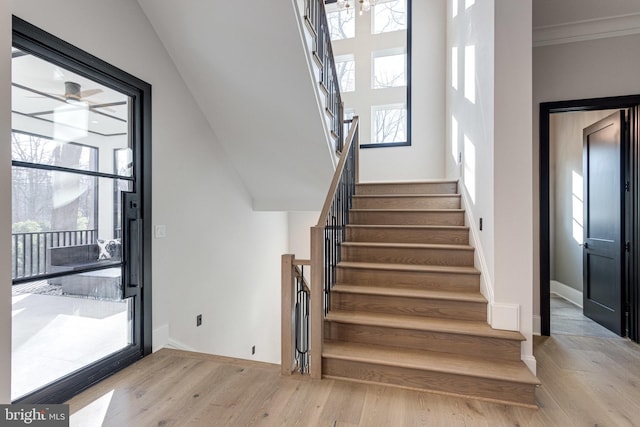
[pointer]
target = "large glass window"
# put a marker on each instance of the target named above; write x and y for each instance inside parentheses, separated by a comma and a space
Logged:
(346, 69)
(389, 70)
(373, 62)
(389, 16)
(389, 124)
(341, 24)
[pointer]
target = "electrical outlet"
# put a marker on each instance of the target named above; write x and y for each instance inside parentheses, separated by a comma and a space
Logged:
(253, 350)
(199, 320)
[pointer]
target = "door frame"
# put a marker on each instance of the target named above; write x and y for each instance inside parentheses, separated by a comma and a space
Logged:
(45, 45)
(631, 159)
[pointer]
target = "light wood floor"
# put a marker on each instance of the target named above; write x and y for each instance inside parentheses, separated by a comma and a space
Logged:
(586, 381)
(567, 319)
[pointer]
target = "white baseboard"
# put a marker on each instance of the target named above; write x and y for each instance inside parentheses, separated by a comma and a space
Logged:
(177, 345)
(505, 316)
(530, 361)
(160, 337)
(537, 325)
(572, 295)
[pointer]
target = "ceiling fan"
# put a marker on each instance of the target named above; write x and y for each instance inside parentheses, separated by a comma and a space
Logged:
(72, 90)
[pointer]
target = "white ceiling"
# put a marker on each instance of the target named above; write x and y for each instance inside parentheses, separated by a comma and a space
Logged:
(38, 91)
(246, 67)
(556, 12)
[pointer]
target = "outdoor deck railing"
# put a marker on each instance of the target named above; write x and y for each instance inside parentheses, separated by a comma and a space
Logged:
(29, 251)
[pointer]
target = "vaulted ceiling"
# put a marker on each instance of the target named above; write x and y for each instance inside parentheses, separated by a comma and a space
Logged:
(245, 65)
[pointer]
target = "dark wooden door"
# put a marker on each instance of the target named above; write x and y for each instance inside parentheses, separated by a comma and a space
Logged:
(603, 221)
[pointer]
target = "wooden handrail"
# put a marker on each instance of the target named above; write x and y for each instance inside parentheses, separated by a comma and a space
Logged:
(338, 172)
(319, 248)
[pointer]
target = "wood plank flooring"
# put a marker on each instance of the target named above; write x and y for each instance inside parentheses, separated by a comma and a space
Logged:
(586, 381)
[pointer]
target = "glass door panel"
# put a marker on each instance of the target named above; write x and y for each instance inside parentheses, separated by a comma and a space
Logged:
(73, 158)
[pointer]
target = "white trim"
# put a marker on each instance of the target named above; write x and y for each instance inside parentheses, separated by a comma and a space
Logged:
(591, 29)
(177, 345)
(160, 337)
(572, 295)
(479, 261)
(505, 316)
(537, 322)
(530, 361)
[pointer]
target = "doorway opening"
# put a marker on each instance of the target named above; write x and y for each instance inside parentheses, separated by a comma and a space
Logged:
(81, 264)
(572, 261)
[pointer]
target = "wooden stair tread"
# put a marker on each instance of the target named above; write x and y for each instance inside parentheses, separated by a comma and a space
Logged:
(402, 195)
(410, 293)
(424, 181)
(421, 323)
(449, 363)
(411, 226)
(410, 267)
(409, 210)
(408, 245)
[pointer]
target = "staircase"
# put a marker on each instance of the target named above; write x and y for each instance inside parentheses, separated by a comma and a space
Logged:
(406, 309)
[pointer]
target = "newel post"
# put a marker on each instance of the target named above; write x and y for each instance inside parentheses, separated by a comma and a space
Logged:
(317, 300)
(286, 323)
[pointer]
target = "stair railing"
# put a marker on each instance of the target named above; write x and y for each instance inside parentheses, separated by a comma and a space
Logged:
(296, 297)
(305, 306)
(326, 241)
(315, 18)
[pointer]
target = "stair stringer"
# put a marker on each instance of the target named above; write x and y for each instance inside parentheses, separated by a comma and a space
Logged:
(505, 316)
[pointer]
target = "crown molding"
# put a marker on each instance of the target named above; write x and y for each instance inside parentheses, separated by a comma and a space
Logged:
(592, 29)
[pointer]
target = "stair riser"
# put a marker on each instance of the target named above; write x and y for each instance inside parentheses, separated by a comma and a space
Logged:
(424, 340)
(446, 236)
(408, 279)
(406, 218)
(408, 188)
(515, 393)
(444, 309)
(433, 202)
(412, 256)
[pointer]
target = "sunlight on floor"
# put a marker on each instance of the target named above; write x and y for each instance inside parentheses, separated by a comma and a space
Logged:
(94, 413)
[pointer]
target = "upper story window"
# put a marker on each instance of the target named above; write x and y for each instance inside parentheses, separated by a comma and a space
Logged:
(373, 62)
(389, 70)
(346, 69)
(342, 24)
(389, 16)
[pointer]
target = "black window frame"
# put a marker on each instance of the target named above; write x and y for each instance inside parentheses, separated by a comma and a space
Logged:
(38, 42)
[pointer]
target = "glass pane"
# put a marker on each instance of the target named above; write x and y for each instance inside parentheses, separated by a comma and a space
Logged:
(346, 69)
(389, 71)
(61, 325)
(389, 124)
(342, 24)
(59, 116)
(389, 16)
(64, 221)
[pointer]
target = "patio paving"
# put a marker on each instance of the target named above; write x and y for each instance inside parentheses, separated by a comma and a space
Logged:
(54, 335)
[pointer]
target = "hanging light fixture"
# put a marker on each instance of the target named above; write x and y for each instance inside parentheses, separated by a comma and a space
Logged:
(365, 5)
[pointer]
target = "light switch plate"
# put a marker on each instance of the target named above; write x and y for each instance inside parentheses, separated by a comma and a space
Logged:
(160, 231)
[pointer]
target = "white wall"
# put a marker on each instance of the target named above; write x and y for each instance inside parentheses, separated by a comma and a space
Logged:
(5, 201)
(473, 27)
(588, 69)
(300, 224)
(424, 159)
(220, 258)
(494, 125)
(513, 161)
